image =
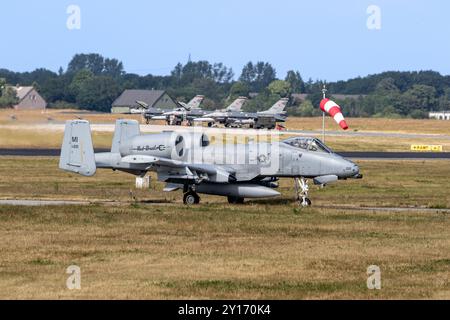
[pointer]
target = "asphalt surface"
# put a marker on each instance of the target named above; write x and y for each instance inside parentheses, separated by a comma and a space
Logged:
(351, 154)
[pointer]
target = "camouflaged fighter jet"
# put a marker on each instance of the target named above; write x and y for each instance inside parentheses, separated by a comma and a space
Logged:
(186, 112)
(259, 120)
(180, 115)
(191, 162)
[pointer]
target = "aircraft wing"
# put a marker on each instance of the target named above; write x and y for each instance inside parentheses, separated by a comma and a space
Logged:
(189, 171)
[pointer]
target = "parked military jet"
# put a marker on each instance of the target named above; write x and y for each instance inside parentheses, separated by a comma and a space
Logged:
(149, 113)
(264, 119)
(189, 161)
(177, 116)
(180, 114)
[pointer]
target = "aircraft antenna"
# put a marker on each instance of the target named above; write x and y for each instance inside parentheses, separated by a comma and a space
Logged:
(324, 92)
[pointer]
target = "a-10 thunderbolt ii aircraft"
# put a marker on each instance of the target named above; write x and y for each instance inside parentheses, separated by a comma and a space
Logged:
(259, 120)
(191, 162)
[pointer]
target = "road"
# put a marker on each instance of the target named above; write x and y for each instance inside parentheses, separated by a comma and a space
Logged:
(350, 154)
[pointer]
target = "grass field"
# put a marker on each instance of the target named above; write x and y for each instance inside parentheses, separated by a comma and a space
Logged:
(429, 126)
(158, 248)
(29, 137)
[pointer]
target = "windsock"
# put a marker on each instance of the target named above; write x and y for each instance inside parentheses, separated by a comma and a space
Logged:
(333, 110)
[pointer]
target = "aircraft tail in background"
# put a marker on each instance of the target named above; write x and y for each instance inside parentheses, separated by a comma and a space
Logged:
(195, 102)
(278, 107)
(237, 104)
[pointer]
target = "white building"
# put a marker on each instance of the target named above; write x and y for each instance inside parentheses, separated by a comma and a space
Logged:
(440, 115)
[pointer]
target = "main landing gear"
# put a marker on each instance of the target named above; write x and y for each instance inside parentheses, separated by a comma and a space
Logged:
(190, 197)
(301, 192)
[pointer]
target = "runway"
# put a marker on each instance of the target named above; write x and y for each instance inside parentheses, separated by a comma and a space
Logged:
(351, 154)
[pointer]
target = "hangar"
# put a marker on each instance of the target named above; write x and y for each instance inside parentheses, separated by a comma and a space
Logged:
(158, 99)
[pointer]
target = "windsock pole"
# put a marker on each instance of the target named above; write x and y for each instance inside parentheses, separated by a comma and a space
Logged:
(324, 91)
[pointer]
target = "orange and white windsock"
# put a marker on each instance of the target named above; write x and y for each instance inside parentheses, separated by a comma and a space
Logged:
(333, 110)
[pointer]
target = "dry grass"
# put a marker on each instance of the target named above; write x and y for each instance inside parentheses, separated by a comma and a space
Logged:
(385, 144)
(20, 133)
(356, 124)
(429, 126)
(219, 251)
(263, 249)
(29, 137)
(56, 115)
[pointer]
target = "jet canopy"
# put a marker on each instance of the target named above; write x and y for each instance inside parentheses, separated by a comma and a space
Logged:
(309, 144)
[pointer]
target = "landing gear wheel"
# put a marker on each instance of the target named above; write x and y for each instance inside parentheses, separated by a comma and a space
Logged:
(235, 200)
(306, 202)
(301, 192)
(191, 198)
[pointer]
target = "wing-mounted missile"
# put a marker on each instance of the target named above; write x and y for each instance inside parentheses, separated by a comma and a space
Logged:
(334, 111)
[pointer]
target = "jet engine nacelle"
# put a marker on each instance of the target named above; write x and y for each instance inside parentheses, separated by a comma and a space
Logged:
(165, 145)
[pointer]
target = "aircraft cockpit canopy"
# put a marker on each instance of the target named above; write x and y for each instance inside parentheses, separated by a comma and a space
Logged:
(309, 144)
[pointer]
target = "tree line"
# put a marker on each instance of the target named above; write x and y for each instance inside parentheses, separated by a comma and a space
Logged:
(93, 82)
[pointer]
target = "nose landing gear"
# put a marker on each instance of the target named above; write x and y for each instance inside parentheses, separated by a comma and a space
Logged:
(301, 192)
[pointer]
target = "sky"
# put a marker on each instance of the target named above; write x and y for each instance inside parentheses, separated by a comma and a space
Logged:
(328, 40)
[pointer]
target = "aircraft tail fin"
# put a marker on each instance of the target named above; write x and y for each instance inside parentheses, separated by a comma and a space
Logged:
(125, 129)
(278, 107)
(237, 104)
(195, 102)
(77, 151)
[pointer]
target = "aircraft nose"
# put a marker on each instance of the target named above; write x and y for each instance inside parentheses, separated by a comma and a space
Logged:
(350, 169)
(355, 171)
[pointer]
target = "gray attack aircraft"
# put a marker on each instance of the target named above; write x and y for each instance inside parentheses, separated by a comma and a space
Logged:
(259, 120)
(197, 164)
